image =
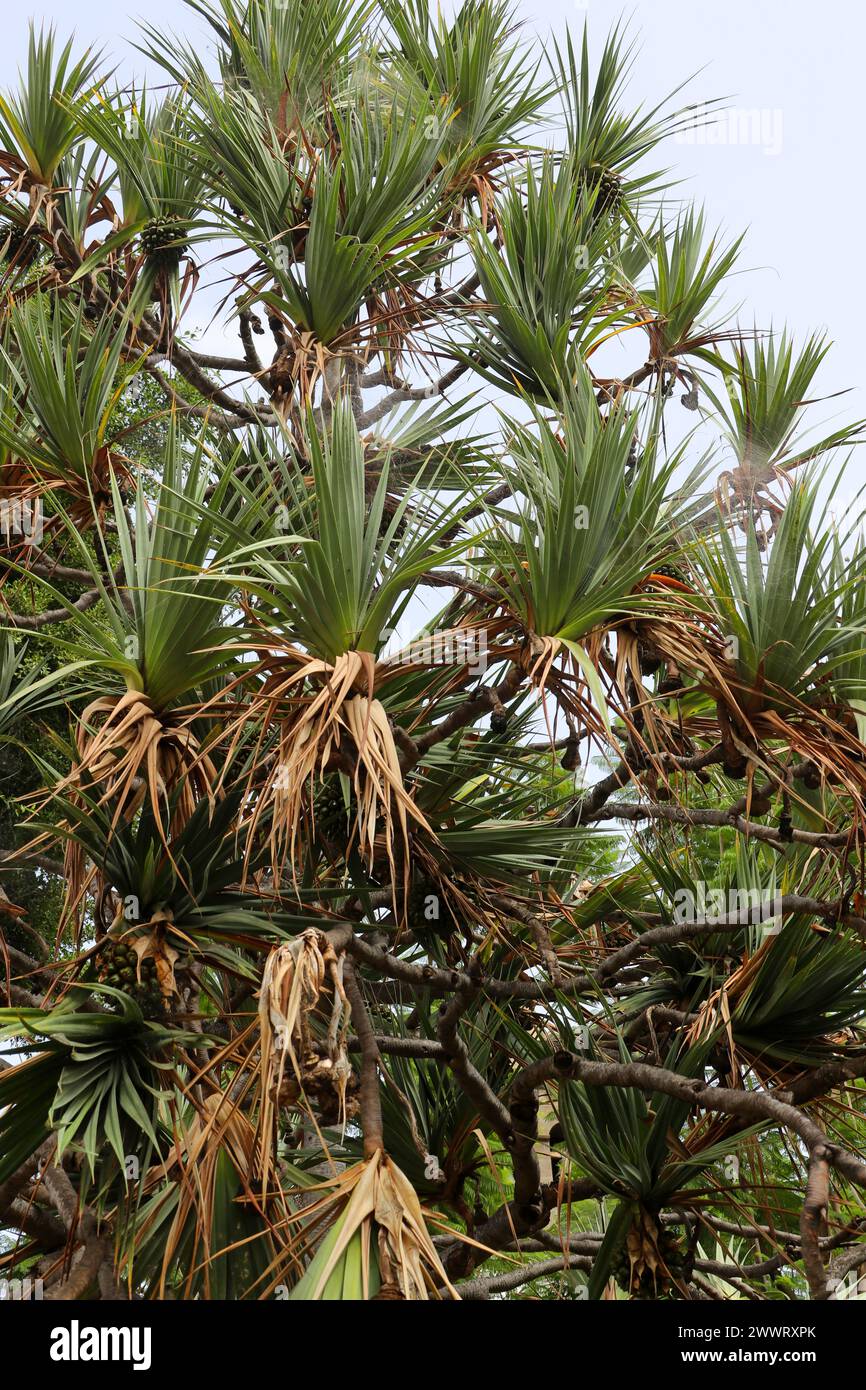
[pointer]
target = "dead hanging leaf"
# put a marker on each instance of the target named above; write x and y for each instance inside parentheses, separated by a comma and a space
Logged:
(339, 718)
(149, 943)
(540, 656)
(132, 742)
(293, 980)
(128, 751)
(299, 364)
(375, 1224)
(185, 1207)
(652, 1259)
(406, 1253)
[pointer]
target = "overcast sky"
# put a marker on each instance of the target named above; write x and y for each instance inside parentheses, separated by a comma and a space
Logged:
(795, 182)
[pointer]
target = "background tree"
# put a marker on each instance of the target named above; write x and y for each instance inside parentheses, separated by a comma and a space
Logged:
(307, 654)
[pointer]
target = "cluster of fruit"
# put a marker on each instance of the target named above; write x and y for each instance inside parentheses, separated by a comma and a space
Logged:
(162, 239)
(119, 968)
(332, 816)
(609, 195)
(18, 245)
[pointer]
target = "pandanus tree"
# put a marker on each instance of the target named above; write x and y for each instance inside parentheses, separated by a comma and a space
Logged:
(434, 779)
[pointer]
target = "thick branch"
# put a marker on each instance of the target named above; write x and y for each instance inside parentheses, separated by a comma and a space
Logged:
(370, 1099)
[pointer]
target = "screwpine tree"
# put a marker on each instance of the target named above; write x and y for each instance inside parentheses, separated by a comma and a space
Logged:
(385, 697)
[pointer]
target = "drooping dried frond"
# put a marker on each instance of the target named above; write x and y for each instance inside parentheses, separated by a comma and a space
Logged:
(376, 1243)
(291, 1070)
(337, 727)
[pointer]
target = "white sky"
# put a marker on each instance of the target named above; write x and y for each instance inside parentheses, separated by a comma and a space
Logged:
(797, 63)
(800, 63)
(796, 188)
